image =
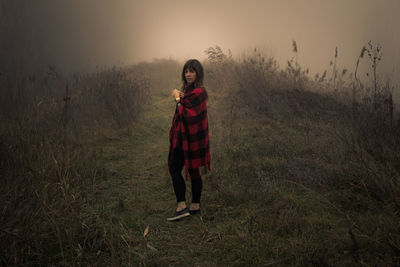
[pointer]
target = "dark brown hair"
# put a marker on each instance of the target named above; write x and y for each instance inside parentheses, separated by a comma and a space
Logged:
(193, 65)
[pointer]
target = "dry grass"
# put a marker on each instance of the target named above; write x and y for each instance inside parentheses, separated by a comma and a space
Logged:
(288, 136)
(47, 165)
(303, 173)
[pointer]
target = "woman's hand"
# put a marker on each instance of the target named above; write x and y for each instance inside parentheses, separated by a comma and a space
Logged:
(176, 93)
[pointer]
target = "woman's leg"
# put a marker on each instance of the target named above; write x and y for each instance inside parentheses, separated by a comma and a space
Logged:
(197, 185)
(178, 182)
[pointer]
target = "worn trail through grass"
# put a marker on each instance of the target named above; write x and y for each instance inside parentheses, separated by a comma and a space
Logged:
(250, 215)
(137, 193)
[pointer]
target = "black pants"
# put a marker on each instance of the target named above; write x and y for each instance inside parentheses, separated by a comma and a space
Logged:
(175, 169)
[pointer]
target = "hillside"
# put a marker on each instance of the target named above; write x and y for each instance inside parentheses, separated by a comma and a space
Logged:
(278, 194)
(292, 182)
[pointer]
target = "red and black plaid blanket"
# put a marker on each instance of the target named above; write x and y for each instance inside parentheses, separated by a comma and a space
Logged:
(189, 131)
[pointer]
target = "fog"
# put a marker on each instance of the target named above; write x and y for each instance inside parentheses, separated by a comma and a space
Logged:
(82, 35)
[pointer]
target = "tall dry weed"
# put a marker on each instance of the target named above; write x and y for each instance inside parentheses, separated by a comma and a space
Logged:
(338, 140)
(48, 167)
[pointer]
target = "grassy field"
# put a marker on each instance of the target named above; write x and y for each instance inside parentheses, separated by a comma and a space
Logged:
(300, 175)
(275, 195)
(137, 193)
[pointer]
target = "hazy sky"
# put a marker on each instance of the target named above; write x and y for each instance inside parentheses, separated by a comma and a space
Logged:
(75, 34)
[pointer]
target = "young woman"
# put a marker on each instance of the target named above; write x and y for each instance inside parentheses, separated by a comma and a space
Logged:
(189, 139)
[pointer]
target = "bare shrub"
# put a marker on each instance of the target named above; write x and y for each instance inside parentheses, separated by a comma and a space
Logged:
(109, 97)
(374, 120)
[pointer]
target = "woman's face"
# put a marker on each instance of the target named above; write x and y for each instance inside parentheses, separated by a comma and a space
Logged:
(190, 76)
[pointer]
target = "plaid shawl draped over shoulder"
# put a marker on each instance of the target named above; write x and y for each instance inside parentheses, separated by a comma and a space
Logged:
(189, 131)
